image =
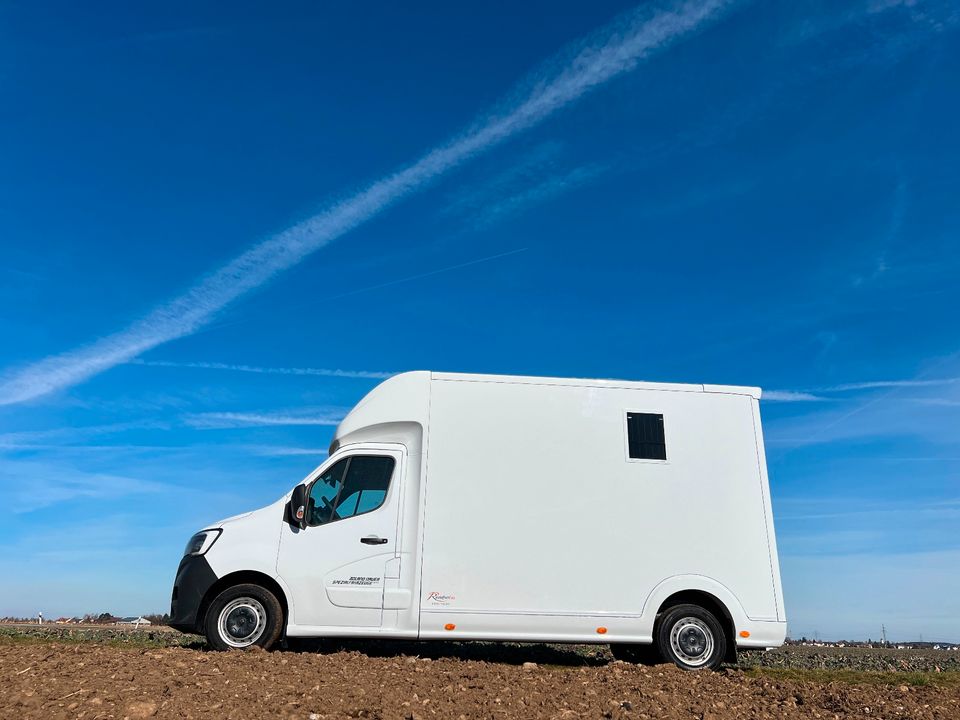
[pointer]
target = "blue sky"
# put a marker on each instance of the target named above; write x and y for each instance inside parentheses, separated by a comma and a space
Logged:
(219, 230)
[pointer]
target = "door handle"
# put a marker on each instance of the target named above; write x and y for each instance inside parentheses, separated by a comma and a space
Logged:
(373, 540)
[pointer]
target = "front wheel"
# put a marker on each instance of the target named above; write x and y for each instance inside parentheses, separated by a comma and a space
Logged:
(691, 638)
(243, 616)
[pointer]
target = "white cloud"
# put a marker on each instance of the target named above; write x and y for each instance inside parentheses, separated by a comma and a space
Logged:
(63, 435)
(884, 416)
(607, 54)
(28, 485)
(929, 413)
(807, 510)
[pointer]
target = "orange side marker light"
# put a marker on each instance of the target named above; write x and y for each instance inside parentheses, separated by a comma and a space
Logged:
(744, 633)
(601, 631)
(449, 626)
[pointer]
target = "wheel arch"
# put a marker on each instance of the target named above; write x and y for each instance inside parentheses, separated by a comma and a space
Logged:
(704, 592)
(241, 577)
(707, 602)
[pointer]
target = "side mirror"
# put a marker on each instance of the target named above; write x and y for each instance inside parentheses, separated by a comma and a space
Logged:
(298, 507)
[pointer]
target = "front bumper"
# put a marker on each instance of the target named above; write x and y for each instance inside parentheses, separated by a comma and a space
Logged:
(194, 578)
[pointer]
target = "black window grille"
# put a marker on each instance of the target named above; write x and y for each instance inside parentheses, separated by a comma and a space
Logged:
(645, 436)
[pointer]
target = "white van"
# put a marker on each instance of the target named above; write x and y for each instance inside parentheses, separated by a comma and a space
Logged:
(482, 507)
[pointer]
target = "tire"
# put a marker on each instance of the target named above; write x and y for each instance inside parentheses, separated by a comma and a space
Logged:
(639, 654)
(243, 616)
(691, 638)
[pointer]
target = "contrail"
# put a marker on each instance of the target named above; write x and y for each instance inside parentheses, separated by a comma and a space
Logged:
(817, 393)
(219, 420)
(791, 396)
(321, 372)
(873, 384)
(605, 55)
(369, 288)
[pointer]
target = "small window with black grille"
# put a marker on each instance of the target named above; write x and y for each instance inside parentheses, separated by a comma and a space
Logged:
(645, 436)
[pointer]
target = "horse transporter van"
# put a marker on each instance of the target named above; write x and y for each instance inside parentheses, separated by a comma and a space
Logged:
(482, 507)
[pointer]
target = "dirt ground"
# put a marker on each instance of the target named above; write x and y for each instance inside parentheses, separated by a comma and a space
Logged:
(43, 677)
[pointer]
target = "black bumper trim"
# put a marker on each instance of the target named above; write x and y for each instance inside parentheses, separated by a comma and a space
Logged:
(194, 578)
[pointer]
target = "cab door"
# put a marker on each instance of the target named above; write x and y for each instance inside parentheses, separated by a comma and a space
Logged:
(335, 567)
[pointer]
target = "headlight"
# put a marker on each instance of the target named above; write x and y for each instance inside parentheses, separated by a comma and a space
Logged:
(201, 542)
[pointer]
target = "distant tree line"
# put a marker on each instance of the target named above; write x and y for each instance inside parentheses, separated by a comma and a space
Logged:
(158, 618)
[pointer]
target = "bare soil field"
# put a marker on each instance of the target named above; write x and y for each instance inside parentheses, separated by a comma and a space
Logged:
(102, 673)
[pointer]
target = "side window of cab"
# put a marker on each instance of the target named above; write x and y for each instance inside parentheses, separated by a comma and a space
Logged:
(353, 486)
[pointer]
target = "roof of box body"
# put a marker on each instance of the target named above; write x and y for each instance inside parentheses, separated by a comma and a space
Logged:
(404, 398)
(583, 382)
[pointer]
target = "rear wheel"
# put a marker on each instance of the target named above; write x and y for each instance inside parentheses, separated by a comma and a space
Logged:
(691, 638)
(243, 616)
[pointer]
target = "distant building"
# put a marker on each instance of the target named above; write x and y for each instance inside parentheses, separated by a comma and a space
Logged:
(135, 621)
